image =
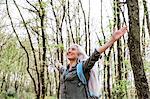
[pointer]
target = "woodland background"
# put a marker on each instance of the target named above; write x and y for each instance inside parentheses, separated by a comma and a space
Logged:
(35, 34)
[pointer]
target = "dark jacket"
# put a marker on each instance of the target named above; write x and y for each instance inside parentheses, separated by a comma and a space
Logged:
(71, 86)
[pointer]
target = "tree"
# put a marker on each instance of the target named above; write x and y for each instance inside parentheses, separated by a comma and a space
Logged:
(39, 84)
(141, 83)
(146, 14)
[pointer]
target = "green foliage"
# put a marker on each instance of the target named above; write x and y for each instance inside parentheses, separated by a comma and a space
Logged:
(53, 46)
(51, 97)
(120, 88)
(43, 4)
(10, 56)
(147, 66)
(11, 94)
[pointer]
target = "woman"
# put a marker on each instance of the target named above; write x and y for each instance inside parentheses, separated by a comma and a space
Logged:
(71, 88)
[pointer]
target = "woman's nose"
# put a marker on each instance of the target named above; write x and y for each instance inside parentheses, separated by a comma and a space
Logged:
(69, 51)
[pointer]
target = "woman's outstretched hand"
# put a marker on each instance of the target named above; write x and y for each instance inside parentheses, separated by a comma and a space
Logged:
(119, 33)
(58, 64)
(115, 36)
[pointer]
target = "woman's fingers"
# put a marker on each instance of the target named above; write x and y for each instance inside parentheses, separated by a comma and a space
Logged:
(124, 29)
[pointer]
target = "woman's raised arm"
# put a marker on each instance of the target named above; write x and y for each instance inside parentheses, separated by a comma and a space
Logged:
(115, 36)
(89, 63)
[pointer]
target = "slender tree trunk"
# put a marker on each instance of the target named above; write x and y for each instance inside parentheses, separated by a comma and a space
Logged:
(68, 35)
(79, 23)
(115, 59)
(88, 29)
(85, 27)
(141, 83)
(119, 51)
(57, 28)
(69, 19)
(105, 58)
(42, 75)
(27, 54)
(146, 13)
(120, 64)
(108, 73)
(3, 81)
(143, 38)
(59, 24)
(125, 58)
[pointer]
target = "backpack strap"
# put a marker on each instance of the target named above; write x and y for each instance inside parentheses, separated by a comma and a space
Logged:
(80, 73)
(83, 79)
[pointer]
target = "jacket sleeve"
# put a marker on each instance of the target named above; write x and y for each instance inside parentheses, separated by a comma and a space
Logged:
(89, 63)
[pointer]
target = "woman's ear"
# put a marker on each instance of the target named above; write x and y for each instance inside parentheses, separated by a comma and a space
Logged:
(81, 56)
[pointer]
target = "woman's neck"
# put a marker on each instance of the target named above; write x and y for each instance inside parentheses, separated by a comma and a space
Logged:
(72, 64)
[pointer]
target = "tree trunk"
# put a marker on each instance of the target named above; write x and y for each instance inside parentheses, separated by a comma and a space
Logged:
(3, 81)
(108, 73)
(141, 83)
(143, 38)
(85, 26)
(42, 70)
(120, 64)
(23, 47)
(69, 21)
(88, 29)
(146, 14)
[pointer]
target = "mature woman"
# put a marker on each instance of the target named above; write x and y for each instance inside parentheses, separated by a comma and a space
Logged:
(71, 88)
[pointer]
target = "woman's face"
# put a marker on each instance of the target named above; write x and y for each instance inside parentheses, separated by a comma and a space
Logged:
(72, 53)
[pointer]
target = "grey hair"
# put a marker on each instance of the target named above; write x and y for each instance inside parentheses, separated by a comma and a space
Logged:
(82, 54)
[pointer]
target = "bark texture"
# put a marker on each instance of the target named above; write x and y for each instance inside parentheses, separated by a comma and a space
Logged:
(141, 83)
